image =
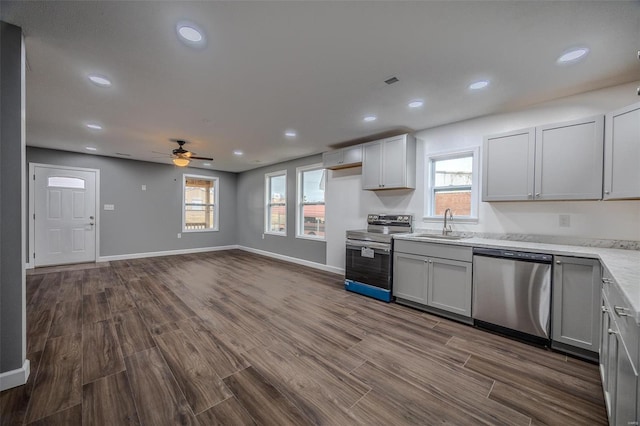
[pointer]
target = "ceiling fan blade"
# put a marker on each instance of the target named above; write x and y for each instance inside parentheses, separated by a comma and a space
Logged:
(193, 157)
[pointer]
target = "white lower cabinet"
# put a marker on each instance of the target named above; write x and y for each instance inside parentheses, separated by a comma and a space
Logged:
(443, 283)
(576, 305)
(619, 359)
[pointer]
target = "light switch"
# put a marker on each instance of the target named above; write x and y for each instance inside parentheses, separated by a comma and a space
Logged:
(144, 187)
(109, 207)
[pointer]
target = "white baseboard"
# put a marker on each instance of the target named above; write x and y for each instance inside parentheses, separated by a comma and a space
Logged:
(295, 260)
(164, 253)
(17, 377)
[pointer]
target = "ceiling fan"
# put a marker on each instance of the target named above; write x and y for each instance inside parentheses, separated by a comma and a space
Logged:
(182, 157)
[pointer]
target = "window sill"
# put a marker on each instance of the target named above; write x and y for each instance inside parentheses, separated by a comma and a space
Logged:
(277, 234)
(440, 219)
(191, 231)
(307, 237)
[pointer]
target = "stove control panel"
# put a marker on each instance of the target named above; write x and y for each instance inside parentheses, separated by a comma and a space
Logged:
(389, 219)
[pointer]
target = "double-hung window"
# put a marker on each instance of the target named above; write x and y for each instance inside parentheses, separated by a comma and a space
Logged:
(200, 203)
(275, 221)
(310, 212)
(452, 183)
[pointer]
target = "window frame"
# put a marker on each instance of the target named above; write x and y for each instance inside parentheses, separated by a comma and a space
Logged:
(300, 202)
(216, 202)
(268, 204)
(430, 188)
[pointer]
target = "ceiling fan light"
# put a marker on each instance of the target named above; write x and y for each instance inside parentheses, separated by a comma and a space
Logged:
(181, 162)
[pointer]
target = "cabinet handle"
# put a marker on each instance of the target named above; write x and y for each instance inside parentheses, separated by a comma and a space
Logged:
(537, 194)
(604, 309)
(529, 194)
(558, 262)
(610, 331)
(620, 311)
(606, 192)
(606, 280)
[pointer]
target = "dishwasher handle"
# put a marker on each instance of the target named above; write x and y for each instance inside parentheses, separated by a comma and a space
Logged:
(511, 254)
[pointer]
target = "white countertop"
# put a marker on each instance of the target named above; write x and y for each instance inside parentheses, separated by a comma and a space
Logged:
(623, 265)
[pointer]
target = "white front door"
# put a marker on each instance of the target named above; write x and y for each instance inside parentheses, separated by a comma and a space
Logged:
(64, 216)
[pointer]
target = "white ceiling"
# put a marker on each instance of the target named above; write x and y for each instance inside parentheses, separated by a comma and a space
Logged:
(316, 67)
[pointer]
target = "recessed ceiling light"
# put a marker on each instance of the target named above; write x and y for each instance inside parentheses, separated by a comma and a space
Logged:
(370, 118)
(90, 148)
(478, 85)
(94, 126)
(190, 34)
(238, 152)
(100, 80)
(416, 103)
(291, 133)
(206, 164)
(573, 55)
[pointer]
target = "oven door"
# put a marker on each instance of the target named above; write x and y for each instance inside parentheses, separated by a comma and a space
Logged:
(369, 263)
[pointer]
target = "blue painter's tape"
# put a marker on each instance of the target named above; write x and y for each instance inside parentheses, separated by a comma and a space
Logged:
(368, 290)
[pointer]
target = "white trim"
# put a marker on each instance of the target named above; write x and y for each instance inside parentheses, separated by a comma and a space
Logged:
(165, 253)
(295, 260)
(216, 199)
(32, 197)
(299, 205)
(17, 377)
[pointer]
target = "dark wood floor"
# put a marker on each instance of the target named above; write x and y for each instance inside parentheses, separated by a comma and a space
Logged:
(233, 338)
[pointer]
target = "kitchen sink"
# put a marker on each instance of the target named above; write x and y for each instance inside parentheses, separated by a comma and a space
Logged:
(441, 237)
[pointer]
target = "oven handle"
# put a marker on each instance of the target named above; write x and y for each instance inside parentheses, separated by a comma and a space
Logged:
(357, 245)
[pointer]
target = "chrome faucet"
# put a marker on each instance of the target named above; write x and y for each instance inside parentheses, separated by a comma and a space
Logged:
(446, 230)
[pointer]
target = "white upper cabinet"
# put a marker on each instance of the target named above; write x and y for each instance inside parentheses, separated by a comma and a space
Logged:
(568, 162)
(389, 163)
(342, 158)
(507, 166)
(622, 154)
(554, 162)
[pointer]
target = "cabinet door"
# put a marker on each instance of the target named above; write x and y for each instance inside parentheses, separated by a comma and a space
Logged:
(332, 159)
(612, 367)
(577, 302)
(626, 399)
(605, 352)
(410, 277)
(507, 166)
(568, 162)
(622, 154)
(394, 163)
(372, 165)
(449, 286)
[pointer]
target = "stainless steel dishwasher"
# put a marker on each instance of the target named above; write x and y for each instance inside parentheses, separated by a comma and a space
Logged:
(512, 293)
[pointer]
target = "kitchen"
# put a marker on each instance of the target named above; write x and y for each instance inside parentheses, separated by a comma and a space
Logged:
(566, 220)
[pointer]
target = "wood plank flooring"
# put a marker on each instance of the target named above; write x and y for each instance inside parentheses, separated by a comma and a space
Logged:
(233, 338)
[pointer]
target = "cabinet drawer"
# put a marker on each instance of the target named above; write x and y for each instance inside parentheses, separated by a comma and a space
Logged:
(626, 325)
(443, 251)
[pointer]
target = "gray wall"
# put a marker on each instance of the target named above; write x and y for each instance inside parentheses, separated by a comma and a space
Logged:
(146, 221)
(12, 274)
(251, 204)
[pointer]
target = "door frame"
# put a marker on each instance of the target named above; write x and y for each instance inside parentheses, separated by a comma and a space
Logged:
(32, 198)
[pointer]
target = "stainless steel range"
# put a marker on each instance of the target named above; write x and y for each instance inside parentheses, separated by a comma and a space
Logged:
(368, 266)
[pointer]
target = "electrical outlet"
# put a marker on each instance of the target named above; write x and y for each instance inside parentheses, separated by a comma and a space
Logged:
(179, 235)
(565, 220)
(144, 187)
(109, 207)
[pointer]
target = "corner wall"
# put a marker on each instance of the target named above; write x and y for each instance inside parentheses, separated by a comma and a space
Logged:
(251, 205)
(14, 368)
